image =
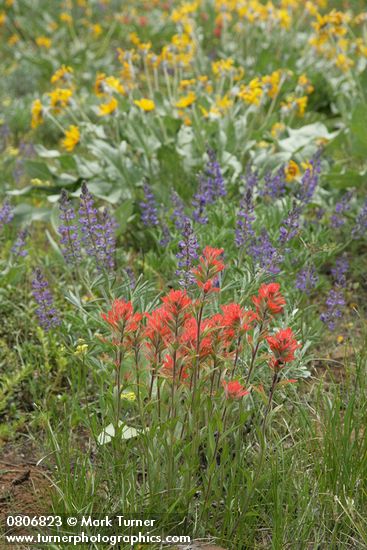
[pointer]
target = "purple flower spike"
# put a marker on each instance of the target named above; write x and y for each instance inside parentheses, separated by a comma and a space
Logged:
(186, 255)
(46, 313)
(360, 228)
(337, 219)
(214, 175)
(68, 230)
(335, 303)
(149, 210)
(88, 218)
(6, 214)
(275, 184)
(340, 270)
(307, 279)
(245, 218)
(290, 226)
(178, 215)
(265, 254)
(18, 248)
(310, 179)
(106, 241)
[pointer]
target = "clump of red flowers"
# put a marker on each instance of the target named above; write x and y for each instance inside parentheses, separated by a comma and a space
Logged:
(184, 342)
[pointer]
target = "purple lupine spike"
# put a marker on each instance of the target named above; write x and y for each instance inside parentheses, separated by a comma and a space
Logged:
(149, 210)
(360, 227)
(340, 270)
(106, 241)
(200, 201)
(68, 230)
(6, 214)
(131, 275)
(310, 179)
(290, 225)
(178, 215)
(245, 218)
(337, 219)
(18, 248)
(214, 174)
(186, 255)
(307, 279)
(335, 303)
(275, 184)
(166, 235)
(265, 254)
(90, 226)
(46, 312)
(251, 178)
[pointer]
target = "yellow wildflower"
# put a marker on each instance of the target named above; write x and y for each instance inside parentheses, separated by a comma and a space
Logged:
(13, 39)
(96, 29)
(301, 103)
(60, 98)
(304, 82)
(186, 83)
(277, 129)
(145, 104)
(340, 339)
(186, 101)
(2, 18)
(43, 42)
(66, 18)
(72, 138)
(37, 113)
(108, 108)
(63, 73)
(343, 62)
(223, 67)
(128, 396)
(81, 349)
(291, 171)
(107, 84)
(252, 93)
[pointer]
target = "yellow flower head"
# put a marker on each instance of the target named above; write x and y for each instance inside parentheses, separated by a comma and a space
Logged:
(104, 85)
(277, 129)
(13, 39)
(37, 113)
(96, 30)
(186, 101)
(291, 171)
(66, 18)
(2, 18)
(128, 396)
(108, 108)
(60, 98)
(71, 139)
(64, 73)
(145, 104)
(43, 42)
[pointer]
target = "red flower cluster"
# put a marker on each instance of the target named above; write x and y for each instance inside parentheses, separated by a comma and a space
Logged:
(209, 267)
(269, 300)
(121, 317)
(234, 390)
(283, 345)
(179, 342)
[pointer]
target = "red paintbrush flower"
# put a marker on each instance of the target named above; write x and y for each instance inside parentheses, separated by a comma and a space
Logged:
(176, 302)
(269, 300)
(157, 330)
(236, 320)
(283, 345)
(206, 274)
(234, 390)
(189, 338)
(121, 316)
(167, 369)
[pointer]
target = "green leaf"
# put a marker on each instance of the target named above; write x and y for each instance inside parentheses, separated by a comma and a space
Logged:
(358, 128)
(38, 169)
